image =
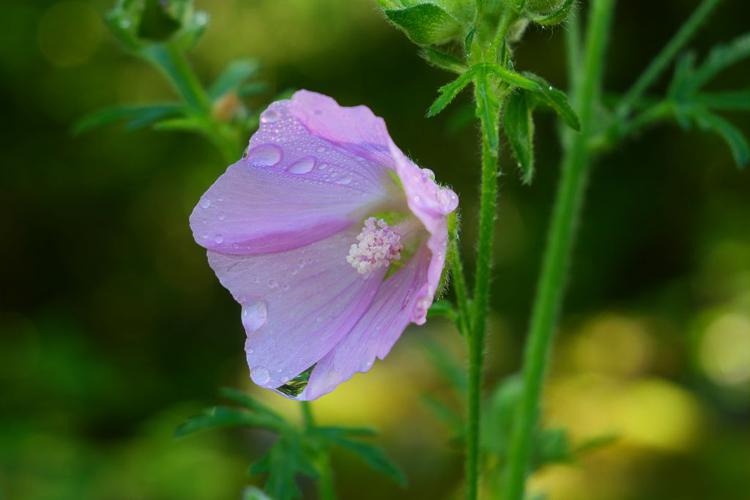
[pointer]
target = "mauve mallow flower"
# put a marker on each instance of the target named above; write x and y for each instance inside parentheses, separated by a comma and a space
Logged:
(329, 237)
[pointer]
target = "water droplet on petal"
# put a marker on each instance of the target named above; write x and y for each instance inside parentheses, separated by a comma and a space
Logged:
(322, 149)
(219, 239)
(266, 155)
(344, 180)
(447, 199)
(272, 283)
(260, 375)
(428, 174)
(254, 315)
(205, 203)
(222, 216)
(302, 166)
(270, 116)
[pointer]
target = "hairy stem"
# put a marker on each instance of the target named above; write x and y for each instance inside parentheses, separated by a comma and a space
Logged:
(575, 170)
(322, 460)
(665, 57)
(487, 111)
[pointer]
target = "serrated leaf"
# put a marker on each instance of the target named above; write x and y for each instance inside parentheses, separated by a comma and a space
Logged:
(425, 24)
(449, 91)
(220, 417)
(738, 100)
(373, 456)
(232, 77)
(519, 128)
(555, 99)
(553, 17)
(134, 116)
(731, 135)
(442, 60)
(720, 58)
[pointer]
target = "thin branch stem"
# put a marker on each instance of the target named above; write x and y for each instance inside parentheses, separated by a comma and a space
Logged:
(665, 57)
(459, 283)
(575, 170)
(324, 484)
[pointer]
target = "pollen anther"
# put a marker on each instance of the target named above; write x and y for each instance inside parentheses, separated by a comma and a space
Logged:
(377, 246)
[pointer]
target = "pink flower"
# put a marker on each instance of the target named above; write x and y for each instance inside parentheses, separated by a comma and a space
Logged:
(330, 238)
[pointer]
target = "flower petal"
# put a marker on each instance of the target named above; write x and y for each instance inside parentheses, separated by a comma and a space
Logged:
(431, 204)
(297, 305)
(377, 331)
(293, 188)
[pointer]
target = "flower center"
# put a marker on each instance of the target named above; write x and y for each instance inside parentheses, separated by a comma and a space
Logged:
(377, 246)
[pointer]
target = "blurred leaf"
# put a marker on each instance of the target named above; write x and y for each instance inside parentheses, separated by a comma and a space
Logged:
(157, 23)
(134, 116)
(519, 127)
(684, 69)
(425, 24)
(191, 124)
(552, 446)
(252, 88)
(720, 58)
(555, 16)
(232, 77)
(738, 100)
(283, 463)
(330, 432)
(246, 401)
(171, 61)
(499, 414)
(733, 137)
(595, 443)
(447, 365)
(370, 454)
(220, 416)
(556, 100)
(442, 60)
(442, 308)
(449, 91)
(447, 415)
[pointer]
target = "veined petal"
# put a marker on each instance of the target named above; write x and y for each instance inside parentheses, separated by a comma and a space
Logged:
(431, 204)
(297, 305)
(376, 332)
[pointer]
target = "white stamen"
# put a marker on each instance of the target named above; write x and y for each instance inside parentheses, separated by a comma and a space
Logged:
(377, 246)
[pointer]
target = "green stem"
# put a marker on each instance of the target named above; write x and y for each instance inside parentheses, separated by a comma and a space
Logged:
(487, 110)
(665, 57)
(325, 487)
(575, 170)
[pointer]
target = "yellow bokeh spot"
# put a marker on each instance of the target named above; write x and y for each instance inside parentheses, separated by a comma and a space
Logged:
(725, 350)
(69, 33)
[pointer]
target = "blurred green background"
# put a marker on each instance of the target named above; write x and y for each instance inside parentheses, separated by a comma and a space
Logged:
(113, 328)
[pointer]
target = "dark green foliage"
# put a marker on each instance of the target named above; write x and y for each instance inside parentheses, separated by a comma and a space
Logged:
(442, 60)
(425, 24)
(549, 13)
(133, 116)
(519, 128)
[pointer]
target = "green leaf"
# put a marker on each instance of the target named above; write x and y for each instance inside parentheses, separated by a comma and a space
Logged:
(172, 62)
(371, 455)
(221, 416)
(683, 72)
(557, 100)
(512, 78)
(446, 415)
(552, 446)
(720, 58)
(246, 401)
(253, 493)
(330, 432)
(449, 91)
(232, 77)
(284, 462)
(442, 60)
(134, 116)
(188, 123)
(552, 17)
(425, 24)
(738, 100)
(487, 108)
(595, 443)
(447, 365)
(519, 128)
(731, 135)
(499, 415)
(442, 308)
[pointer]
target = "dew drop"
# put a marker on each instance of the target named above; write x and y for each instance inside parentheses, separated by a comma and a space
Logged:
(344, 180)
(428, 174)
(270, 116)
(218, 239)
(303, 166)
(322, 149)
(205, 203)
(447, 199)
(266, 155)
(222, 216)
(272, 284)
(254, 315)
(260, 375)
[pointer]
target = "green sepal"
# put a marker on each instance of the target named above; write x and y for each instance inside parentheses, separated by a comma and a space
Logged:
(425, 24)
(519, 128)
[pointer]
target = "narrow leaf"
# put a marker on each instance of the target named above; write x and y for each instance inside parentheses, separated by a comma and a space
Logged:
(738, 100)
(512, 78)
(189, 123)
(683, 72)
(443, 309)
(720, 58)
(374, 457)
(449, 91)
(519, 128)
(221, 416)
(425, 24)
(232, 77)
(553, 17)
(595, 443)
(487, 108)
(557, 100)
(445, 414)
(442, 60)
(731, 135)
(335, 432)
(134, 116)
(447, 365)
(251, 404)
